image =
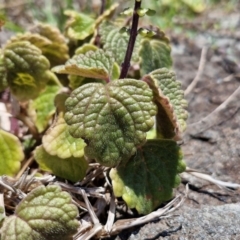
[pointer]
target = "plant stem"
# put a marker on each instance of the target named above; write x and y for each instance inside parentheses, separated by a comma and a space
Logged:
(103, 5)
(131, 42)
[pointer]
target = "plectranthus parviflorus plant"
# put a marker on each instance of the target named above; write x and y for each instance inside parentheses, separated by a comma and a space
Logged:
(102, 106)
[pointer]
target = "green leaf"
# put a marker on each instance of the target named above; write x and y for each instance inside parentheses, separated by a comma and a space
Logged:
(57, 49)
(24, 57)
(149, 176)
(197, 6)
(107, 14)
(58, 141)
(11, 154)
(117, 42)
(45, 214)
(86, 47)
(169, 97)
(34, 38)
(93, 64)
(42, 108)
(3, 75)
(154, 54)
(27, 69)
(73, 169)
(113, 119)
(79, 26)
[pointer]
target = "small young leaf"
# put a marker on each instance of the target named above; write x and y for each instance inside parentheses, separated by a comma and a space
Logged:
(148, 178)
(57, 50)
(154, 54)
(45, 214)
(93, 64)
(127, 12)
(79, 26)
(11, 154)
(116, 42)
(58, 141)
(73, 169)
(42, 108)
(169, 97)
(151, 12)
(142, 11)
(113, 119)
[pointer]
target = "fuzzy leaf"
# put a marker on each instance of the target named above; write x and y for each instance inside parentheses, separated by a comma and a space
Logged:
(73, 169)
(45, 214)
(79, 26)
(155, 54)
(42, 108)
(57, 50)
(58, 141)
(93, 64)
(27, 69)
(85, 48)
(149, 176)
(169, 97)
(117, 42)
(11, 154)
(34, 38)
(3, 75)
(112, 118)
(24, 57)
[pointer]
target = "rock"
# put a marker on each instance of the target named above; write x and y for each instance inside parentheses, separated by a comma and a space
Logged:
(216, 222)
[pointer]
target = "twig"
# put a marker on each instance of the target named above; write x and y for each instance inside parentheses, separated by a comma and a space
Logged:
(25, 166)
(208, 178)
(131, 42)
(199, 72)
(2, 206)
(128, 223)
(111, 215)
(222, 112)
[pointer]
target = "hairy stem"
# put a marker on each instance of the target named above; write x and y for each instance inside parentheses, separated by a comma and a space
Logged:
(131, 42)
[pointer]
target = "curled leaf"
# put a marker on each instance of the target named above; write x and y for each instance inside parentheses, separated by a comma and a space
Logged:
(113, 119)
(11, 154)
(45, 214)
(169, 97)
(148, 178)
(93, 64)
(79, 25)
